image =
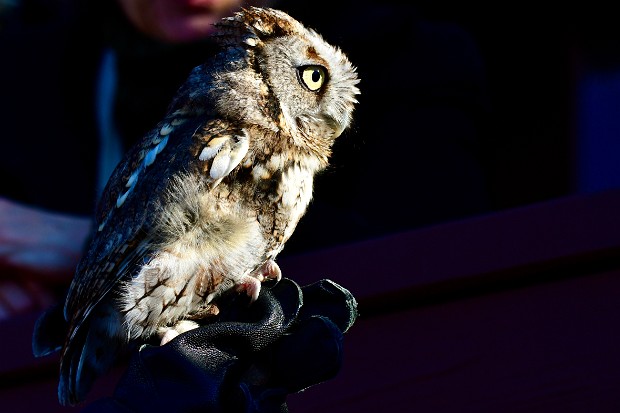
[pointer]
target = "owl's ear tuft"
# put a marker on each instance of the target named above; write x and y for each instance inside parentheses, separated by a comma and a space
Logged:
(251, 26)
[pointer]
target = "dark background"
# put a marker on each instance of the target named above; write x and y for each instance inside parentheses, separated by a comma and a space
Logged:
(470, 108)
(481, 169)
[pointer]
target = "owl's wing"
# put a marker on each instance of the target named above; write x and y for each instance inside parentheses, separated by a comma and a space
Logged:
(136, 192)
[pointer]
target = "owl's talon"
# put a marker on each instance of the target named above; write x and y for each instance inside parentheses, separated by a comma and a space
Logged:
(250, 285)
(270, 270)
(167, 334)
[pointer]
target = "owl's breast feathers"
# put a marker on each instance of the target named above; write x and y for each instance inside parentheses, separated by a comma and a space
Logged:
(273, 182)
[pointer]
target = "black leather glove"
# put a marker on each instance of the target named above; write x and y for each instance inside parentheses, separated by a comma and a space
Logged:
(248, 360)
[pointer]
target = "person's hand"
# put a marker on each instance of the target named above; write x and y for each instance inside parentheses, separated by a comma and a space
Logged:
(39, 242)
(38, 250)
(247, 360)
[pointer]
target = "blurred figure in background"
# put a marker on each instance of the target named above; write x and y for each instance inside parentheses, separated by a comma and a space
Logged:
(80, 83)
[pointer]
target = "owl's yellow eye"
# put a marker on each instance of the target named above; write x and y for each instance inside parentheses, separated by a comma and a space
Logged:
(313, 77)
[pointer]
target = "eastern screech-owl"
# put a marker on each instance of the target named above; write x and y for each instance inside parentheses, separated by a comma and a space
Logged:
(205, 202)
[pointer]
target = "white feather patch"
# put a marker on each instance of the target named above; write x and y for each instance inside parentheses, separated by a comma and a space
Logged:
(275, 162)
(251, 41)
(165, 294)
(150, 157)
(220, 165)
(208, 153)
(229, 158)
(226, 155)
(161, 145)
(121, 199)
(259, 172)
(133, 179)
(166, 129)
(238, 152)
(212, 148)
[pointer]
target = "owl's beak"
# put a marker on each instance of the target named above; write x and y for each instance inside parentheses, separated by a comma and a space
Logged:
(337, 125)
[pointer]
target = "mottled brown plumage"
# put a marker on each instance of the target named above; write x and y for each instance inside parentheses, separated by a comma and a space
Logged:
(207, 200)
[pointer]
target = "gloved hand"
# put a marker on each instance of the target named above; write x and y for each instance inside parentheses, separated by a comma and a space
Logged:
(248, 360)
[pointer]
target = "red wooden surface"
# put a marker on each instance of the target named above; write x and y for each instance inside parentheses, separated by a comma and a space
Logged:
(552, 347)
(511, 312)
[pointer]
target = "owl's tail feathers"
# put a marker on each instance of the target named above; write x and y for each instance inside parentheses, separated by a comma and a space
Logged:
(49, 333)
(87, 356)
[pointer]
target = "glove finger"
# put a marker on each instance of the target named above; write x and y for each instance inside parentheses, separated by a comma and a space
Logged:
(157, 372)
(328, 299)
(309, 355)
(288, 293)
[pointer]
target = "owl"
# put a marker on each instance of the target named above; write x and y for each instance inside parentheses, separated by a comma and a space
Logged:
(207, 199)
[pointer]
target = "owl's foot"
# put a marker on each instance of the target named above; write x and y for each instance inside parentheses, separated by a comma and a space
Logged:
(166, 334)
(205, 311)
(269, 270)
(250, 285)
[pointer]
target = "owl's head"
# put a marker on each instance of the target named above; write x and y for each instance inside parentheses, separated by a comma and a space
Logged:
(284, 76)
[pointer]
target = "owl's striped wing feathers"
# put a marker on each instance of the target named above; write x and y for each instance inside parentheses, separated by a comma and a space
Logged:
(129, 206)
(121, 223)
(127, 215)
